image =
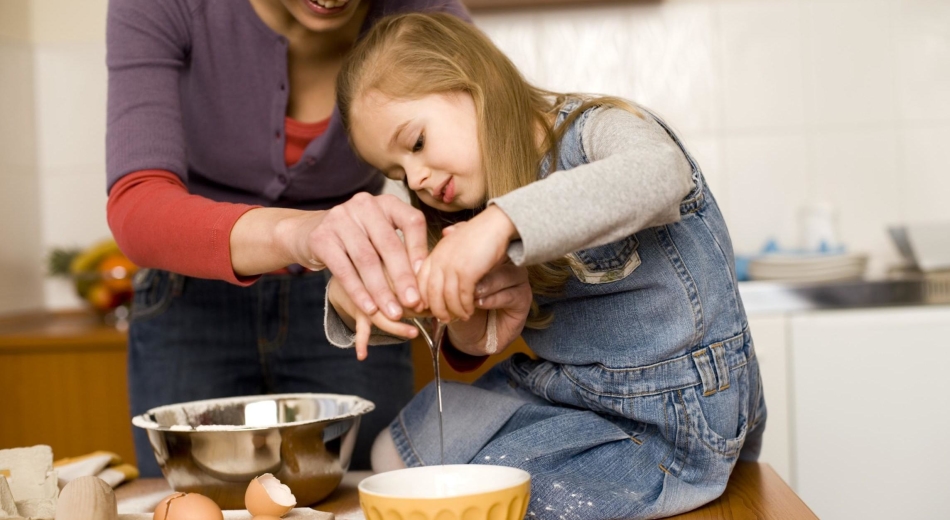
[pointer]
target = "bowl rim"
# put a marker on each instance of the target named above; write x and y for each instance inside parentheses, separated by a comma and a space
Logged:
(526, 478)
(361, 407)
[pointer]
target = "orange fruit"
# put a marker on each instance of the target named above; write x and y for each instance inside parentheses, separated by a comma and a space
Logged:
(101, 297)
(116, 271)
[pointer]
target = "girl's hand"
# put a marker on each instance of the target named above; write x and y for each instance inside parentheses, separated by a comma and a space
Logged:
(357, 242)
(362, 323)
(505, 292)
(466, 253)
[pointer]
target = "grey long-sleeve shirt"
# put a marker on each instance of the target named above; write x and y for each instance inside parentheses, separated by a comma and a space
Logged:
(636, 179)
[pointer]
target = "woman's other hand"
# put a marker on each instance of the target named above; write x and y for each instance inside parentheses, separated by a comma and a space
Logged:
(505, 293)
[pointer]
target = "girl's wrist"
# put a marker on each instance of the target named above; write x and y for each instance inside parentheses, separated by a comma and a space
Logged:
(498, 219)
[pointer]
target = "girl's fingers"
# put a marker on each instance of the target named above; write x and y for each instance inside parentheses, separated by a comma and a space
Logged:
(396, 328)
(453, 301)
(363, 327)
(436, 296)
(466, 290)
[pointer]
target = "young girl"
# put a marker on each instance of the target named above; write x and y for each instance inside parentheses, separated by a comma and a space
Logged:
(646, 388)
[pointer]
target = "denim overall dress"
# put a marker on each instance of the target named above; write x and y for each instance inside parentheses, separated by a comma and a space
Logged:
(646, 391)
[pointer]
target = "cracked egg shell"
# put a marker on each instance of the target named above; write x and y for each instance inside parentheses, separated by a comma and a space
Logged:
(187, 506)
(266, 496)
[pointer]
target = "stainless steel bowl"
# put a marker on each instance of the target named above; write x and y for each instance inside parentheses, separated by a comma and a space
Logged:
(216, 447)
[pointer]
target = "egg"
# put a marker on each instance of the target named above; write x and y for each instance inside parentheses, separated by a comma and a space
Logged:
(266, 517)
(267, 497)
(187, 506)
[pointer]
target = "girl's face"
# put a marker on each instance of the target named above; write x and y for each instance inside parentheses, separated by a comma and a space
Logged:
(322, 15)
(430, 142)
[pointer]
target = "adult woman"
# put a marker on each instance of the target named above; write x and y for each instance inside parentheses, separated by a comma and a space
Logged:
(226, 164)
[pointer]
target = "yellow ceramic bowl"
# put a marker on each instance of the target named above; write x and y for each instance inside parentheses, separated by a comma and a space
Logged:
(456, 492)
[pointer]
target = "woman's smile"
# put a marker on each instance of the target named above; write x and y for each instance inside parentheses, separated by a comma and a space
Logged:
(326, 7)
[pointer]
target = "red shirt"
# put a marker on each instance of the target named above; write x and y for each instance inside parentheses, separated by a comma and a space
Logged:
(158, 224)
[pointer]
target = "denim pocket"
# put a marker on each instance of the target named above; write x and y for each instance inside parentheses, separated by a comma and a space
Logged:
(718, 421)
(154, 290)
(607, 263)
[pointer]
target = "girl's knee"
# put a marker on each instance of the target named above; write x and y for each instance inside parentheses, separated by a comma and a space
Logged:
(384, 456)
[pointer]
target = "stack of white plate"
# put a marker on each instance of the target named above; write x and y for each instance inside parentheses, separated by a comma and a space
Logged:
(808, 267)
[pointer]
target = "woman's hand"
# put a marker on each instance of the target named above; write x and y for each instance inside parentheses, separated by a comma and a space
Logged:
(357, 242)
(504, 292)
(362, 323)
(466, 253)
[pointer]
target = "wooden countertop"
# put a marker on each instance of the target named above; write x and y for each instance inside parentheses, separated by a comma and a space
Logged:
(755, 492)
(58, 331)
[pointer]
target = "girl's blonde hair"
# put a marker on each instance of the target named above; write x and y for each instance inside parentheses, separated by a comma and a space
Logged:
(413, 55)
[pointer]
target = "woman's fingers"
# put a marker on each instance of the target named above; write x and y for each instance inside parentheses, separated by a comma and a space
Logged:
(357, 241)
(380, 217)
(504, 299)
(500, 278)
(412, 223)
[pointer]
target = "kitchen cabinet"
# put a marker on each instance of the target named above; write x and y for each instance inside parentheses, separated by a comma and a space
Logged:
(63, 383)
(770, 335)
(869, 416)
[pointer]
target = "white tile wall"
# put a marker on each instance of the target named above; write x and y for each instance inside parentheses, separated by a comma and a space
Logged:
(515, 33)
(863, 163)
(767, 181)
(850, 62)
(55, 21)
(15, 21)
(925, 177)
(21, 258)
(71, 83)
(762, 65)
(674, 68)
(17, 127)
(923, 78)
(74, 215)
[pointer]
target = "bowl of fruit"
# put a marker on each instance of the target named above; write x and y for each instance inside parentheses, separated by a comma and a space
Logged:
(102, 276)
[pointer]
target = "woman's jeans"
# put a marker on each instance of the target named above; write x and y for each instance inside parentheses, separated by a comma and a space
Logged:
(193, 339)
